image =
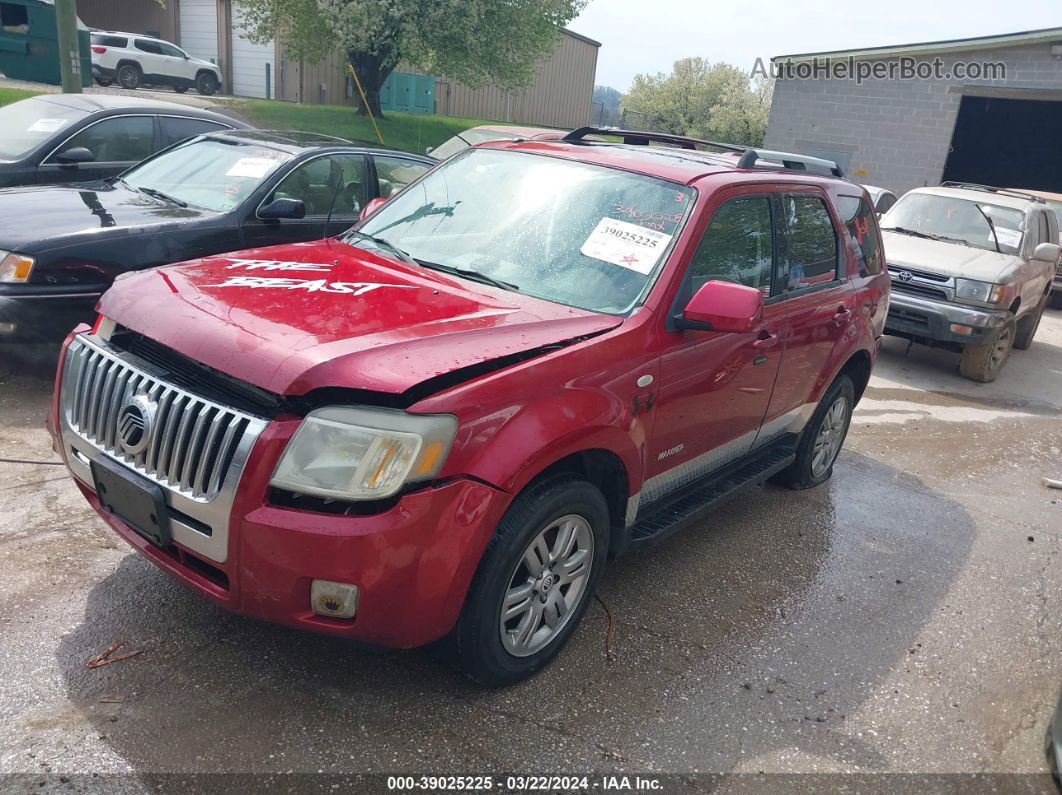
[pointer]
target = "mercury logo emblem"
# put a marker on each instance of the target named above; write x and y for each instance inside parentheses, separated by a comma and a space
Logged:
(905, 276)
(134, 422)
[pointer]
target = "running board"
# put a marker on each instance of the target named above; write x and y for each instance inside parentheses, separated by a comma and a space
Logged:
(670, 514)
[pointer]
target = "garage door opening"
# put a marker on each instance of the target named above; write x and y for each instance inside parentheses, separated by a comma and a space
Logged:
(1012, 143)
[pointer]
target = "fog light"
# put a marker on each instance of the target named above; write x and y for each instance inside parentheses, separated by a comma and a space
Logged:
(959, 328)
(334, 599)
(8, 328)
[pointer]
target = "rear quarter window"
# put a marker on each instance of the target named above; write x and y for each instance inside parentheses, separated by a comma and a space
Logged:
(109, 41)
(862, 234)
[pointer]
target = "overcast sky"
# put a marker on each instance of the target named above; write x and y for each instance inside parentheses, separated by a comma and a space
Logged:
(648, 36)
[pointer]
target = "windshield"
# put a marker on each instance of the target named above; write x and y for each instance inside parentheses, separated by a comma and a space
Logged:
(577, 234)
(216, 175)
(31, 122)
(957, 220)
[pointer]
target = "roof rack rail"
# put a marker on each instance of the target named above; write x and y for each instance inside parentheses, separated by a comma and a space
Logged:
(788, 160)
(749, 156)
(644, 138)
(1017, 194)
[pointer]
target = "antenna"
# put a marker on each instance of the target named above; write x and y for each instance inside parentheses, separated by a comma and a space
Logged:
(328, 219)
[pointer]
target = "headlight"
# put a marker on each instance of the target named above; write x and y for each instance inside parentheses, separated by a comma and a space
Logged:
(981, 292)
(14, 268)
(349, 453)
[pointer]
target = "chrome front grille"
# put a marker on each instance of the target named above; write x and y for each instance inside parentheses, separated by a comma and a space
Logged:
(192, 441)
(922, 283)
(195, 448)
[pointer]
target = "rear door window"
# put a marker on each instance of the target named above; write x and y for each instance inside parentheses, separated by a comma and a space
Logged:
(176, 129)
(394, 173)
(863, 235)
(148, 46)
(811, 242)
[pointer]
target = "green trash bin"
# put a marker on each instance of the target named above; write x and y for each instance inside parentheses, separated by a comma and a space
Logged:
(29, 46)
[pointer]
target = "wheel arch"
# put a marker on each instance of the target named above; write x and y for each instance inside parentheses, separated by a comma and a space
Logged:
(857, 367)
(128, 62)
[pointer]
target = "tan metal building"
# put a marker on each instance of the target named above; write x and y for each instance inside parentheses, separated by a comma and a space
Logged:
(559, 96)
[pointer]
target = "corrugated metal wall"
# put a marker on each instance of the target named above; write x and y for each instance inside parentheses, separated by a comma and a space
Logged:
(131, 16)
(560, 95)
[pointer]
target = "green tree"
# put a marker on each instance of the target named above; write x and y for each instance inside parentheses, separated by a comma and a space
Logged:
(474, 42)
(713, 101)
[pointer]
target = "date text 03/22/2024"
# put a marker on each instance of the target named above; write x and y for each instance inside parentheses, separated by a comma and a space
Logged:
(610, 783)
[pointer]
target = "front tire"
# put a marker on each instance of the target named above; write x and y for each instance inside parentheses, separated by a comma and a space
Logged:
(534, 582)
(982, 363)
(206, 84)
(1026, 327)
(129, 76)
(822, 439)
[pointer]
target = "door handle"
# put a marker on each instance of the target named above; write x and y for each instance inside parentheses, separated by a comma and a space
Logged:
(765, 340)
(841, 315)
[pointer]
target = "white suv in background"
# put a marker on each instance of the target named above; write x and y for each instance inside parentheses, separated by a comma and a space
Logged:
(131, 60)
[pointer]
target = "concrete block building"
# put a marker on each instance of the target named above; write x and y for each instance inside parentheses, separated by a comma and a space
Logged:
(985, 110)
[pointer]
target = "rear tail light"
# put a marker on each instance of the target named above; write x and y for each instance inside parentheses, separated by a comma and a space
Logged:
(99, 50)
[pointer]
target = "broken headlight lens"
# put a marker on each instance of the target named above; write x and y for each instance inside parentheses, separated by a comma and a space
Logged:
(353, 453)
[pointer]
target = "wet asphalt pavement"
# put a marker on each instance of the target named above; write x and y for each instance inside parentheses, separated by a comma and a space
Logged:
(904, 618)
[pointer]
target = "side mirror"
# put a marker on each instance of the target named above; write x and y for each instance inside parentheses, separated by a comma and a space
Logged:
(723, 306)
(78, 154)
(428, 150)
(371, 207)
(283, 208)
(1046, 252)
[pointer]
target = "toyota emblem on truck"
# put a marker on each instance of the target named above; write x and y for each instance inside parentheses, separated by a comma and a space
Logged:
(135, 419)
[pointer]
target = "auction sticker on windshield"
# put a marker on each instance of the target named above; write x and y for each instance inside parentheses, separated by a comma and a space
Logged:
(1008, 237)
(46, 125)
(627, 245)
(254, 167)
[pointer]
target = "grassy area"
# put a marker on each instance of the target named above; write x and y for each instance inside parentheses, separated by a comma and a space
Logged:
(9, 95)
(410, 131)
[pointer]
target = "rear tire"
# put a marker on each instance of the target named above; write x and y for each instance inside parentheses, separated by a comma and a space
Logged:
(104, 82)
(180, 89)
(129, 76)
(534, 582)
(1056, 299)
(984, 362)
(206, 84)
(822, 438)
(1026, 327)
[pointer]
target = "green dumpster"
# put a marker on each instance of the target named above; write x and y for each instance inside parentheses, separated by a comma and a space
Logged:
(29, 47)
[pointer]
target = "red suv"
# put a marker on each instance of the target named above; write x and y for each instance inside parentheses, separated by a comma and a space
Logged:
(440, 424)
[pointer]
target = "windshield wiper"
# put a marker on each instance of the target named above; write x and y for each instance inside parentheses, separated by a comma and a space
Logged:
(992, 226)
(468, 273)
(164, 196)
(383, 242)
(925, 235)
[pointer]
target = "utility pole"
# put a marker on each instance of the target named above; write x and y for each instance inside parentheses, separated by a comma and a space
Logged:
(69, 47)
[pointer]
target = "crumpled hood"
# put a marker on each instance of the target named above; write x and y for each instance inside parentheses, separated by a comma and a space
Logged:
(294, 318)
(947, 259)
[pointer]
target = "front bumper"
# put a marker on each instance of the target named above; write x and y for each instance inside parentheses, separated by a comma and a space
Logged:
(32, 314)
(412, 561)
(925, 319)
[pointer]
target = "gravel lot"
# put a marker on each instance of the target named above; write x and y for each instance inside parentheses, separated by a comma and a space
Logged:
(905, 618)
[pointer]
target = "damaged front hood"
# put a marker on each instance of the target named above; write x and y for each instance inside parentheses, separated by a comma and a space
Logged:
(291, 319)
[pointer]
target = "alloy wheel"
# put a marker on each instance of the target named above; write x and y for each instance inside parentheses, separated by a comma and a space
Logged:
(547, 585)
(1002, 348)
(830, 437)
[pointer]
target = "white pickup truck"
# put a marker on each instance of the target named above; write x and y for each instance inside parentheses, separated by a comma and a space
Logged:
(971, 270)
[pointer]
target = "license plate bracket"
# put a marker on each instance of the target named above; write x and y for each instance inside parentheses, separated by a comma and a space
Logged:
(135, 500)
